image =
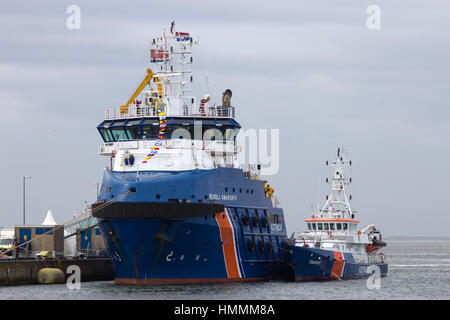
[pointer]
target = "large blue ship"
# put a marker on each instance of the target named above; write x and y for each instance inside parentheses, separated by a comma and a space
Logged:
(175, 206)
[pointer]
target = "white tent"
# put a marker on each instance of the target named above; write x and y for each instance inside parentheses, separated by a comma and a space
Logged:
(69, 243)
(49, 220)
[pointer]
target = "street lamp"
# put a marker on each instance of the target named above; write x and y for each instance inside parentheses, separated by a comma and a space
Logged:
(96, 183)
(24, 177)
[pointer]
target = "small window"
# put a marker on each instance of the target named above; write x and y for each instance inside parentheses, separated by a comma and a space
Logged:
(119, 134)
(314, 226)
(158, 196)
(325, 226)
(319, 226)
(345, 226)
(106, 134)
(108, 189)
(339, 226)
(331, 226)
(309, 226)
(44, 230)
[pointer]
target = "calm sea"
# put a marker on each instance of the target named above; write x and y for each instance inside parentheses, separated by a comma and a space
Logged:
(418, 269)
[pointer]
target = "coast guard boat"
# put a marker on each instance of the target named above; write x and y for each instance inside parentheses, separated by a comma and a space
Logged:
(333, 247)
(175, 206)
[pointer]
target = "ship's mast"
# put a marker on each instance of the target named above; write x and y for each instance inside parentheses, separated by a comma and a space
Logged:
(337, 203)
(171, 55)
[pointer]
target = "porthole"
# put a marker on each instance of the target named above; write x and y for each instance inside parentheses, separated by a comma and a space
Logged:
(226, 189)
(158, 196)
(234, 190)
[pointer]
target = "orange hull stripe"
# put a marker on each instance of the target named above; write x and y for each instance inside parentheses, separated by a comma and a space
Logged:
(338, 266)
(226, 234)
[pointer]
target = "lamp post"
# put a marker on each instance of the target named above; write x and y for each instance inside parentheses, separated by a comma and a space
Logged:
(24, 177)
(96, 183)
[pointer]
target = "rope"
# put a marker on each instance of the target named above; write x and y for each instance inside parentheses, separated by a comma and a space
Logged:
(65, 223)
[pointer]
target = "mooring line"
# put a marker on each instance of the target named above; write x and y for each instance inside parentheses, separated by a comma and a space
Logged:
(65, 223)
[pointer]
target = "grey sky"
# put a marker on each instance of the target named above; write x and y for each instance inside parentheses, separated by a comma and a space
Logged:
(310, 68)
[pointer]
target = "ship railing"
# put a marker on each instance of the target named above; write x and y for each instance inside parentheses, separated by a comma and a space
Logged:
(134, 111)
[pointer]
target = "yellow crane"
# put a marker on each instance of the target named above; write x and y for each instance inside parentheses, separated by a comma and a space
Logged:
(150, 75)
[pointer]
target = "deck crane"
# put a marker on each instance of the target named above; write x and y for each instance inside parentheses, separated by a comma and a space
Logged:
(150, 75)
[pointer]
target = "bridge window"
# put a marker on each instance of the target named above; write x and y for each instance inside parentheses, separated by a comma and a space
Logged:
(151, 132)
(345, 225)
(339, 226)
(325, 226)
(133, 132)
(106, 134)
(119, 134)
(182, 132)
(319, 226)
(314, 226)
(309, 226)
(331, 226)
(212, 133)
(229, 134)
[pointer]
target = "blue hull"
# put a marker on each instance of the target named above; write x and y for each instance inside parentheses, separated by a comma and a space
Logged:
(317, 264)
(244, 241)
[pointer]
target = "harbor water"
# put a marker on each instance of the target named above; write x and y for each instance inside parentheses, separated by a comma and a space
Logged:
(419, 268)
